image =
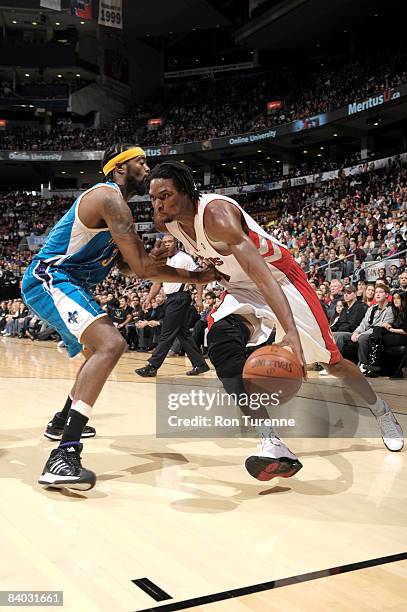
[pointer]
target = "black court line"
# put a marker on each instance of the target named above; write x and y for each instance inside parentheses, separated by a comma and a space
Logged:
(276, 584)
(151, 589)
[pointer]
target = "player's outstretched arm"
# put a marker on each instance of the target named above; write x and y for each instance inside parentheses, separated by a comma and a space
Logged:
(117, 215)
(223, 223)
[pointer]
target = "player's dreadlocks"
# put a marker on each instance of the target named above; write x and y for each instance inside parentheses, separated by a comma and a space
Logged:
(111, 152)
(180, 174)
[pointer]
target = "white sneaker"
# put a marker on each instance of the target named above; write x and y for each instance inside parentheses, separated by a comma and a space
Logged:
(274, 459)
(391, 431)
(323, 372)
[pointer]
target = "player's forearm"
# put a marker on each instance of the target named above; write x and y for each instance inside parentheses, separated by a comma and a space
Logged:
(168, 274)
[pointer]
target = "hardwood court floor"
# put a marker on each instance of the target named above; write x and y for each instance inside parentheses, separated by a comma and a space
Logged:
(184, 513)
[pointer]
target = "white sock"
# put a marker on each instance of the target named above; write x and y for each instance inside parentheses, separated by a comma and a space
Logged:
(380, 407)
(266, 431)
(82, 408)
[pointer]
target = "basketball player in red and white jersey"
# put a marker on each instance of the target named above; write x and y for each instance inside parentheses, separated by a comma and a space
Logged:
(265, 289)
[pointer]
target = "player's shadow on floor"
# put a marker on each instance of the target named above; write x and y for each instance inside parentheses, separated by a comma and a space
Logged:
(198, 483)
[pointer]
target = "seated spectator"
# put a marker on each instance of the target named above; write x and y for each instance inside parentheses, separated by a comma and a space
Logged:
(149, 328)
(201, 325)
(375, 315)
(320, 295)
(369, 298)
(403, 281)
(388, 335)
(358, 272)
(335, 295)
(339, 306)
(121, 315)
(352, 314)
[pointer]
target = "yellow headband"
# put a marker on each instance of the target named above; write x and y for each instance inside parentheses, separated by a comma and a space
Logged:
(123, 157)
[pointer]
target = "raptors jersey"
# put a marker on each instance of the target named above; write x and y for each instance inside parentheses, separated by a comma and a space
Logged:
(275, 254)
(243, 298)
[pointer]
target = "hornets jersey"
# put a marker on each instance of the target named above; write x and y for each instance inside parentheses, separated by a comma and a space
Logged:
(86, 254)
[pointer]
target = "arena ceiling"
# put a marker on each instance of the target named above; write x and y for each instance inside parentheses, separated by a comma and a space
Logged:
(297, 23)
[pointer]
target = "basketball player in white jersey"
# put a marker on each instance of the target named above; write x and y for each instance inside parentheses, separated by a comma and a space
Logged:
(266, 288)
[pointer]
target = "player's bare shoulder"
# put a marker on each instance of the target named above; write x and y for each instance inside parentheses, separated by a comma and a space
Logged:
(222, 221)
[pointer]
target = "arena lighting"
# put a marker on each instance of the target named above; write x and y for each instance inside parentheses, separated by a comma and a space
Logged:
(240, 162)
(34, 23)
(82, 23)
(223, 164)
(278, 161)
(26, 74)
(57, 23)
(234, 168)
(319, 155)
(77, 75)
(63, 172)
(182, 161)
(81, 172)
(305, 151)
(322, 148)
(14, 21)
(259, 151)
(59, 76)
(335, 134)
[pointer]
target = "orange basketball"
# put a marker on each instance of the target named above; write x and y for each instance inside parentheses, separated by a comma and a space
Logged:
(273, 369)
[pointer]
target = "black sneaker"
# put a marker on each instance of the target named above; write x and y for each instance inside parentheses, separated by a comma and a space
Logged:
(55, 429)
(196, 370)
(148, 371)
(64, 470)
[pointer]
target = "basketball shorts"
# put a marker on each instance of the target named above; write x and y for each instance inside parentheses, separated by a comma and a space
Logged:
(60, 301)
(246, 300)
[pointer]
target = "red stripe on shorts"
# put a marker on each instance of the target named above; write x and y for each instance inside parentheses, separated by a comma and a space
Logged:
(298, 278)
(210, 318)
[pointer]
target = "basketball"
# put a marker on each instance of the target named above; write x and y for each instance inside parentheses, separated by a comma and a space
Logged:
(273, 369)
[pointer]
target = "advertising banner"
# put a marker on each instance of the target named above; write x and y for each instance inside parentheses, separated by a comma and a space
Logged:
(111, 13)
(82, 9)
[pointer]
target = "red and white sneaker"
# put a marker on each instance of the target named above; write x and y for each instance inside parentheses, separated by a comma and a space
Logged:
(273, 460)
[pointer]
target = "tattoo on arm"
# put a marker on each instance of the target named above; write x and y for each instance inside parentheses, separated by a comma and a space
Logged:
(118, 217)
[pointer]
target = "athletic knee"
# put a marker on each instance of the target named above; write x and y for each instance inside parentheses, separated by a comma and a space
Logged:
(114, 347)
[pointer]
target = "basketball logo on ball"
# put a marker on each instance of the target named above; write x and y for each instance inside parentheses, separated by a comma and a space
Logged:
(273, 369)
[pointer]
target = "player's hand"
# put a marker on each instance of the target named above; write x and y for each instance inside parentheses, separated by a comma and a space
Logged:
(207, 273)
(292, 341)
(159, 253)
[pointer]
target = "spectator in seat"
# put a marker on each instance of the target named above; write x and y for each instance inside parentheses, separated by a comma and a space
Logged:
(358, 272)
(388, 335)
(202, 324)
(352, 315)
(321, 295)
(369, 299)
(338, 309)
(381, 312)
(403, 280)
(121, 315)
(336, 294)
(149, 329)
